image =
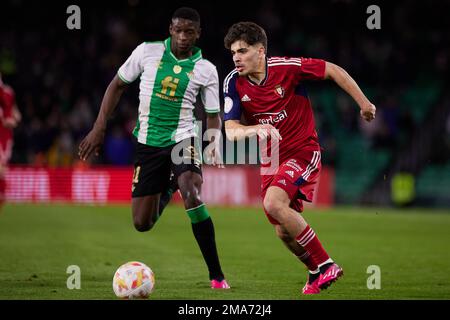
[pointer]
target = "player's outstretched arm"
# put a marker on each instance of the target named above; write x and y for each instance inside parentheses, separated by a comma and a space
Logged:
(237, 131)
(346, 82)
(94, 139)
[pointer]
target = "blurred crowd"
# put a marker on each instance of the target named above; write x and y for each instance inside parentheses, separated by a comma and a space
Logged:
(60, 75)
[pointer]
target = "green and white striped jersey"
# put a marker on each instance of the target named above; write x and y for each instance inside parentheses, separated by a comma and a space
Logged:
(168, 90)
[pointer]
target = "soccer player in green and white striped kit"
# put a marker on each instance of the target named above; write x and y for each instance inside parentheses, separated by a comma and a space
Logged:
(172, 73)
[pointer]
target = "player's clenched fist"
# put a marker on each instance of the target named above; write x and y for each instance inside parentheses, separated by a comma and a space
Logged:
(368, 112)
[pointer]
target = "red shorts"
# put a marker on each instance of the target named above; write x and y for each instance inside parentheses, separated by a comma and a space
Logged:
(297, 176)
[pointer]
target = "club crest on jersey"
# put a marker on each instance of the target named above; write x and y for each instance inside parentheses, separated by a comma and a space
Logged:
(177, 69)
(279, 90)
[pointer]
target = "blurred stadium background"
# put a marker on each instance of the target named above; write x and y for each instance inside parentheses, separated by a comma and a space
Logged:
(401, 160)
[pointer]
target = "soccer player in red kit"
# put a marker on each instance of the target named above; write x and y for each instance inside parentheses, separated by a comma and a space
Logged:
(268, 94)
(9, 118)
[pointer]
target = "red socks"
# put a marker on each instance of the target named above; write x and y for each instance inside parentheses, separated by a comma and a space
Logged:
(309, 241)
(309, 261)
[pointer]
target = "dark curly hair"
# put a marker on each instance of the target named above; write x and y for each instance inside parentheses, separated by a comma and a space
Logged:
(246, 31)
(187, 13)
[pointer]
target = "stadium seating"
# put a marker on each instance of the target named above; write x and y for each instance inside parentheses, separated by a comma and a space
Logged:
(419, 98)
(433, 184)
(358, 164)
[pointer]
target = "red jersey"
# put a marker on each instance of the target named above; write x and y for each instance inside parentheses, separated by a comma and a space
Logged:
(7, 102)
(280, 100)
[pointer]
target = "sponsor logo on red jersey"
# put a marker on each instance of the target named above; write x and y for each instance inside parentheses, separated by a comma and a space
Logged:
(270, 117)
(293, 164)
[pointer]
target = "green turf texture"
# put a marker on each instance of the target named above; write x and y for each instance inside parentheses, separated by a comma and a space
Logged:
(39, 242)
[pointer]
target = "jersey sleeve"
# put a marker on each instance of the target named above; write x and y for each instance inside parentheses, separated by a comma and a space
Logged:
(132, 68)
(232, 104)
(311, 69)
(210, 93)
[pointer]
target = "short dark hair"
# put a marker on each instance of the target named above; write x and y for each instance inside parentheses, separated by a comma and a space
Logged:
(187, 13)
(246, 31)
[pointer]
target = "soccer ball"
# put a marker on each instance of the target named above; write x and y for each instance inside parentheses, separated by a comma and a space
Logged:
(133, 280)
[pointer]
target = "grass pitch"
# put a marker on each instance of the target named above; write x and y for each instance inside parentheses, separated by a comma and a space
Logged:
(39, 242)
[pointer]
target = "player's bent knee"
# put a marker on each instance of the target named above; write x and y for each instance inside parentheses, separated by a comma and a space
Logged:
(273, 207)
(190, 195)
(143, 221)
(145, 213)
(143, 226)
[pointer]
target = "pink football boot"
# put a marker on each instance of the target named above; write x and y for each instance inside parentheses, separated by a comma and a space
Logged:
(219, 284)
(333, 273)
(312, 288)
